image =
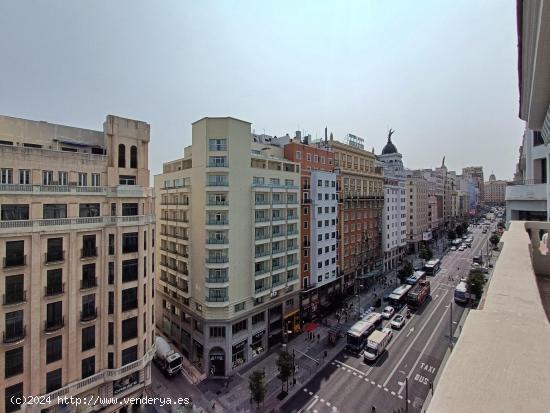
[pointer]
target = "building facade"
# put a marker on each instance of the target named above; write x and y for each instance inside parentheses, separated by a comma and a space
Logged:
(494, 191)
(319, 216)
(360, 222)
(476, 174)
(418, 229)
(76, 236)
(229, 251)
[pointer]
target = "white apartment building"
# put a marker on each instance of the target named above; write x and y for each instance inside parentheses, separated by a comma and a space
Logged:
(418, 229)
(527, 196)
(228, 254)
(76, 240)
(324, 216)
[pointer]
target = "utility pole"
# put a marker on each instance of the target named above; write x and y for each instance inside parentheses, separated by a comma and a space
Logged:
(406, 394)
(451, 326)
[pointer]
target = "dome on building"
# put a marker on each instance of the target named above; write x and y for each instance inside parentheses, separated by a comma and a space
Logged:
(389, 148)
(492, 177)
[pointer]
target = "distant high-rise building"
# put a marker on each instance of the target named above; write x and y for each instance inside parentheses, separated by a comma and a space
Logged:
(494, 191)
(476, 172)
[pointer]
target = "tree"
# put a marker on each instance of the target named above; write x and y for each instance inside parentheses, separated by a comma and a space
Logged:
(406, 271)
(465, 227)
(476, 281)
(501, 225)
(451, 234)
(459, 231)
(426, 253)
(285, 364)
(495, 239)
(256, 384)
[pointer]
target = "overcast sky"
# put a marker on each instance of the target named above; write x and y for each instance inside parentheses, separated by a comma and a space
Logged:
(442, 73)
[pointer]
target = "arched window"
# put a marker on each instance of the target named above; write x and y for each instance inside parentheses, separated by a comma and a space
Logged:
(133, 157)
(121, 156)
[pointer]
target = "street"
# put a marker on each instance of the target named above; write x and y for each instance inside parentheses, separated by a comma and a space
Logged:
(413, 356)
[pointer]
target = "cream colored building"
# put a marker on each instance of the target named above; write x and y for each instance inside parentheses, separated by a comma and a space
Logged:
(76, 240)
(417, 200)
(228, 250)
(494, 191)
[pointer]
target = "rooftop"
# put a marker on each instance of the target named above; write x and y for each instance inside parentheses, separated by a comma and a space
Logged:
(500, 362)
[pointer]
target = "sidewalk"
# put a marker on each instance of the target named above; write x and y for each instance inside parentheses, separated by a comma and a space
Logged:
(309, 358)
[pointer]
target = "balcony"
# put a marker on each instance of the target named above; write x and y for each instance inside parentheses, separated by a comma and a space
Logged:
(261, 289)
(54, 290)
(214, 202)
(510, 326)
(218, 164)
(277, 267)
(262, 219)
(262, 202)
(86, 283)
(272, 185)
(53, 257)
(261, 236)
(262, 271)
(278, 218)
(14, 335)
(217, 299)
(526, 190)
(217, 183)
(88, 315)
(224, 221)
(292, 201)
(15, 261)
(259, 254)
(217, 260)
(217, 280)
(292, 232)
(217, 241)
(54, 325)
(13, 298)
(306, 201)
(89, 252)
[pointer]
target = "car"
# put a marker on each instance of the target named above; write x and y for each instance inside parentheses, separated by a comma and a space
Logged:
(388, 312)
(388, 331)
(453, 248)
(398, 322)
(461, 248)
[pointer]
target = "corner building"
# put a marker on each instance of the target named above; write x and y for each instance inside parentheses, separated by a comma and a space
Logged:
(76, 240)
(228, 254)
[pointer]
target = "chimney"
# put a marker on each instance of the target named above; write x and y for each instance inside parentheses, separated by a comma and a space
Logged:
(306, 139)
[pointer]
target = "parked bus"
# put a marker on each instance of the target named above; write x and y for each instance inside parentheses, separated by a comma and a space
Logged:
(432, 267)
(358, 335)
(461, 292)
(417, 276)
(398, 298)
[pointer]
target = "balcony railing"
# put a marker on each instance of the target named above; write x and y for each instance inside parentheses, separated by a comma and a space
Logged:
(277, 267)
(278, 218)
(217, 222)
(88, 283)
(214, 202)
(217, 260)
(272, 185)
(262, 202)
(54, 289)
(261, 219)
(291, 262)
(15, 261)
(292, 201)
(17, 297)
(89, 252)
(291, 217)
(88, 315)
(217, 241)
(527, 182)
(217, 183)
(262, 271)
(217, 148)
(217, 299)
(221, 279)
(14, 334)
(277, 250)
(306, 201)
(181, 203)
(259, 254)
(292, 277)
(218, 164)
(281, 281)
(262, 288)
(54, 256)
(262, 236)
(292, 232)
(54, 325)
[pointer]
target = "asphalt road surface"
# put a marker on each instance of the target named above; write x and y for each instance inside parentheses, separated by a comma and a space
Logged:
(402, 376)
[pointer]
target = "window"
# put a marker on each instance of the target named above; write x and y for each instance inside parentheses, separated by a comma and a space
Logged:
(127, 180)
(55, 250)
(129, 328)
(129, 299)
(54, 349)
(298, 155)
(129, 209)
(82, 179)
(110, 360)
(258, 318)
(129, 355)
(47, 177)
(14, 212)
(12, 393)
(88, 338)
(96, 180)
(217, 331)
(89, 278)
(121, 156)
(52, 211)
(54, 315)
(133, 157)
(129, 242)
(89, 248)
(63, 177)
(217, 144)
(15, 254)
(240, 307)
(6, 176)
(217, 161)
(129, 270)
(89, 210)
(14, 292)
(111, 303)
(24, 177)
(53, 380)
(13, 362)
(89, 310)
(111, 333)
(239, 326)
(88, 367)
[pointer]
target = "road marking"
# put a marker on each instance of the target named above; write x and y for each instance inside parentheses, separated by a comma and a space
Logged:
(379, 386)
(311, 405)
(427, 343)
(372, 382)
(410, 332)
(393, 393)
(344, 366)
(311, 393)
(322, 400)
(415, 338)
(401, 397)
(386, 389)
(328, 404)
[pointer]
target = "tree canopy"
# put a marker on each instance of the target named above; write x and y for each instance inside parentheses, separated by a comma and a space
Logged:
(256, 384)
(285, 364)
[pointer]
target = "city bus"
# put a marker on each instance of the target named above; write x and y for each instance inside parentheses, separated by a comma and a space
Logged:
(461, 292)
(398, 298)
(358, 334)
(432, 266)
(417, 276)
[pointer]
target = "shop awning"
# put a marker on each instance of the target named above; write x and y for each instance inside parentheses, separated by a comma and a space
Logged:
(309, 327)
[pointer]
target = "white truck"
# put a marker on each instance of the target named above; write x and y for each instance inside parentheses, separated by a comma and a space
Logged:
(166, 358)
(376, 344)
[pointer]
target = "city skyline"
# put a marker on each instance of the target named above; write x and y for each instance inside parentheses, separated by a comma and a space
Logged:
(336, 71)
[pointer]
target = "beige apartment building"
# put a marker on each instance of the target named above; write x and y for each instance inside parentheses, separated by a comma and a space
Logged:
(228, 253)
(76, 241)
(494, 191)
(418, 226)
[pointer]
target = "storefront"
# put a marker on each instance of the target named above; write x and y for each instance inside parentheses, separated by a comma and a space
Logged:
(216, 357)
(292, 322)
(238, 354)
(258, 344)
(125, 383)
